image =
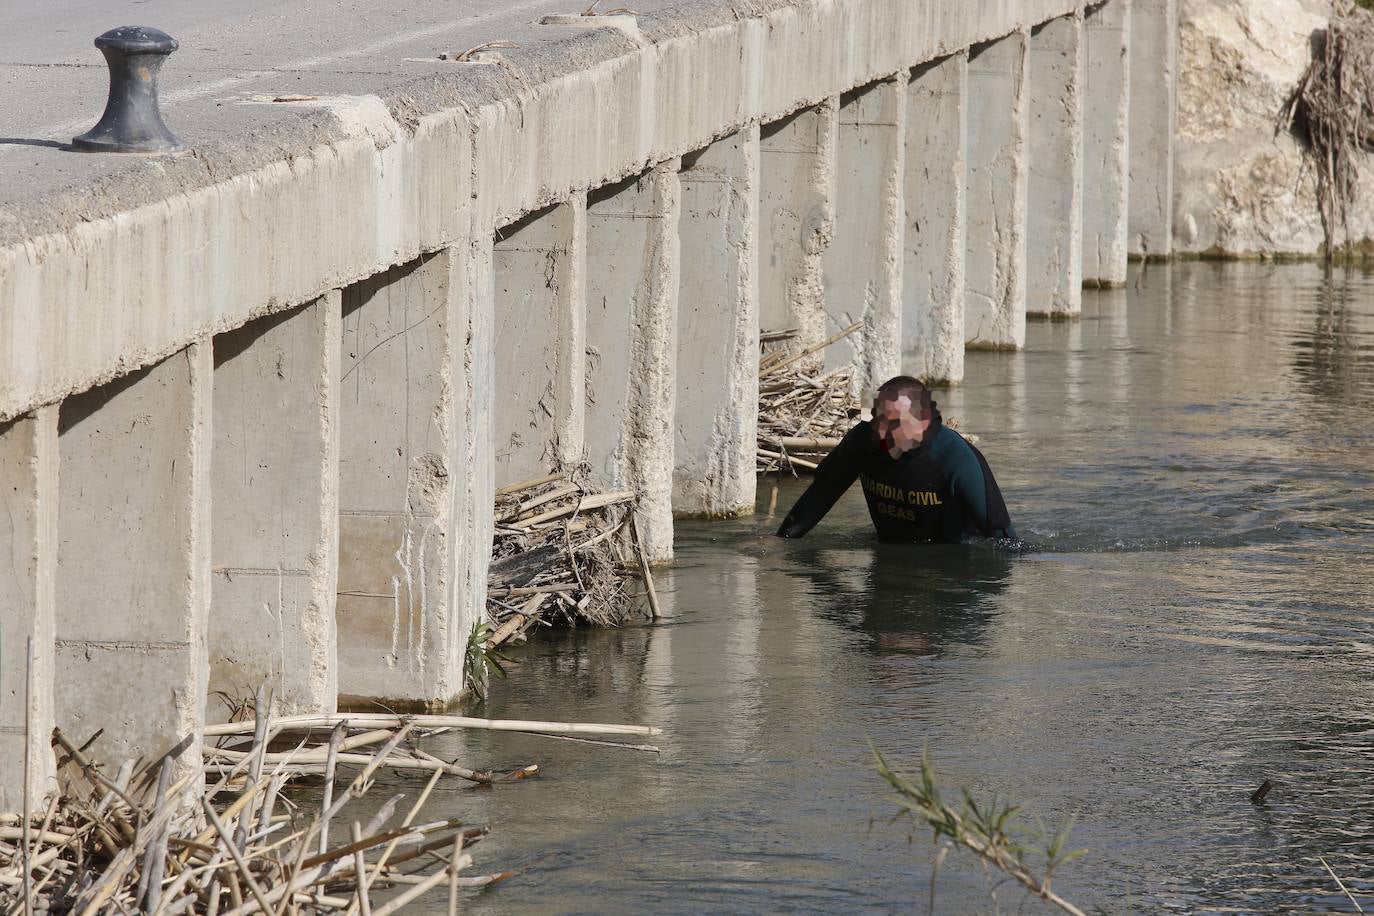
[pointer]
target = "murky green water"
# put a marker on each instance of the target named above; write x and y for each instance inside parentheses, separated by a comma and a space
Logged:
(1193, 462)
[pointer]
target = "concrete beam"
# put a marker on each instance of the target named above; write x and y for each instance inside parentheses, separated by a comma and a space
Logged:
(133, 563)
(797, 222)
(863, 265)
(540, 340)
(404, 453)
(631, 387)
(28, 561)
(1106, 146)
(1054, 212)
(718, 313)
(935, 242)
(275, 480)
(998, 124)
(1154, 58)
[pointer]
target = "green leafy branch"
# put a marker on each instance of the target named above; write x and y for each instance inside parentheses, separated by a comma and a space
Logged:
(987, 829)
(482, 660)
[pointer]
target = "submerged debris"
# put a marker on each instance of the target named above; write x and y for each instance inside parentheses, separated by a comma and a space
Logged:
(234, 843)
(563, 553)
(1332, 113)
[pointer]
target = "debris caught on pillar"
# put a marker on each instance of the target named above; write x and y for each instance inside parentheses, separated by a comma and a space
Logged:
(564, 553)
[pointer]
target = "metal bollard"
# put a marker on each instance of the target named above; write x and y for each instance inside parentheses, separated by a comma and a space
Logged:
(132, 122)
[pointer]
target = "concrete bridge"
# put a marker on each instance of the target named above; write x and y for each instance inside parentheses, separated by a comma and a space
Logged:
(255, 398)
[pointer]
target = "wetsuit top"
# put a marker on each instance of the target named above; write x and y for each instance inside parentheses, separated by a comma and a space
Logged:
(939, 491)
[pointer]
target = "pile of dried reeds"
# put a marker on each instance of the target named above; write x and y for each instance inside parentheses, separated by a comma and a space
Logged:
(1332, 112)
(142, 841)
(801, 416)
(563, 553)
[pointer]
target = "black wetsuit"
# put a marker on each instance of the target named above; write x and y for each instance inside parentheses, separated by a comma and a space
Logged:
(939, 491)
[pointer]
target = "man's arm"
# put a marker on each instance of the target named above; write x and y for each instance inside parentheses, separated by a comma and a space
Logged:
(971, 482)
(837, 471)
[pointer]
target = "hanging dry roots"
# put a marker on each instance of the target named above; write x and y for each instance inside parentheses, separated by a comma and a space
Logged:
(1332, 113)
(563, 553)
(802, 415)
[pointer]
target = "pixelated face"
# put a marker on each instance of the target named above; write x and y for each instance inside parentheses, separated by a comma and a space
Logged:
(899, 424)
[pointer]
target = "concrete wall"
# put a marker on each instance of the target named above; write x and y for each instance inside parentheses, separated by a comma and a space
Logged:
(1054, 230)
(1106, 147)
(797, 222)
(996, 184)
(1153, 120)
(274, 490)
(631, 386)
(133, 560)
(540, 340)
(28, 559)
(863, 266)
(717, 329)
(935, 241)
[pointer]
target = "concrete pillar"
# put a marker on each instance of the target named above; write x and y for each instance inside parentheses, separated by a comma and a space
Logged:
(998, 123)
(28, 560)
(863, 265)
(1054, 212)
(718, 314)
(133, 561)
(631, 387)
(275, 484)
(797, 218)
(540, 339)
(1106, 149)
(1154, 56)
(935, 241)
(404, 475)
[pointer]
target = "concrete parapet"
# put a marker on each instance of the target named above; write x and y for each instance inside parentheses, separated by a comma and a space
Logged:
(28, 561)
(631, 347)
(402, 461)
(998, 123)
(274, 480)
(538, 267)
(133, 562)
(718, 316)
(863, 265)
(935, 240)
(797, 222)
(1106, 150)
(1154, 61)
(1054, 211)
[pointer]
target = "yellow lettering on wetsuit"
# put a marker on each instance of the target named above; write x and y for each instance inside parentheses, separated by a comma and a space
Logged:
(887, 494)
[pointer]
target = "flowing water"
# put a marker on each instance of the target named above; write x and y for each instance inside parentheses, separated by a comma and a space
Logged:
(1192, 464)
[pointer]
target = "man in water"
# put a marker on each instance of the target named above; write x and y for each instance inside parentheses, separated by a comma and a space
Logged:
(923, 481)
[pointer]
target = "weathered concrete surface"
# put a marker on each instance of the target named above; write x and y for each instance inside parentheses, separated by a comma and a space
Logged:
(133, 561)
(935, 242)
(539, 268)
(1054, 212)
(1154, 68)
(28, 560)
(401, 631)
(631, 385)
(997, 178)
(1106, 143)
(863, 265)
(1239, 189)
(571, 109)
(274, 492)
(718, 329)
(797, 222)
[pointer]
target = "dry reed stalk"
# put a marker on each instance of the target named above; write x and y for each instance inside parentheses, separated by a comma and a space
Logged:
(582, 580)
(142, 842)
